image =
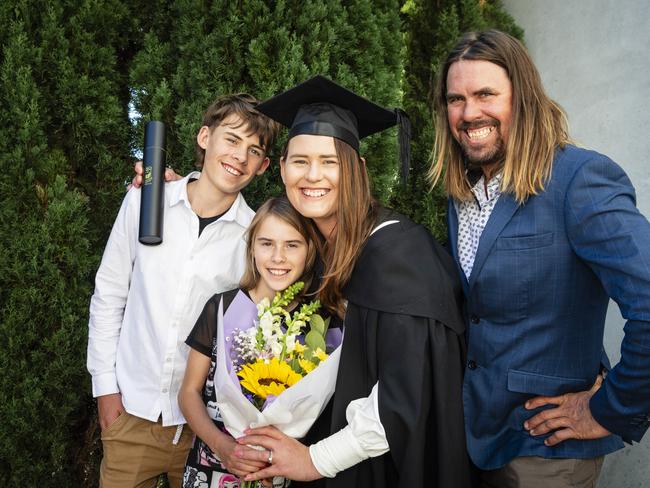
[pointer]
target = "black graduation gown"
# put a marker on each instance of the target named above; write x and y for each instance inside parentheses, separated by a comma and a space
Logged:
(404, 328)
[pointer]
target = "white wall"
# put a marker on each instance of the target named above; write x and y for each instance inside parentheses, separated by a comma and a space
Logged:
(594, 59)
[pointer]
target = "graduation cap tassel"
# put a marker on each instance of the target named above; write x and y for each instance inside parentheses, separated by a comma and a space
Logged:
(404, 138)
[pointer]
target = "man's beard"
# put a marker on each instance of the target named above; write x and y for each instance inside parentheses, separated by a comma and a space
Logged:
(495, 154)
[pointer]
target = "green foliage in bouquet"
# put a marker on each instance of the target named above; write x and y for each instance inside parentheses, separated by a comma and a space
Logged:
(315, 338)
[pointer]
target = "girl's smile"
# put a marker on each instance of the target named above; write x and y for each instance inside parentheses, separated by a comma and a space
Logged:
(280, 252)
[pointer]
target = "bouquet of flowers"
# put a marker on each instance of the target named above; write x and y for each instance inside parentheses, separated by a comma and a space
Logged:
(268, 372)
(270, 358)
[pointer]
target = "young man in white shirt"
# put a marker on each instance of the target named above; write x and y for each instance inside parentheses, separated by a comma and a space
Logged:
(147, 298)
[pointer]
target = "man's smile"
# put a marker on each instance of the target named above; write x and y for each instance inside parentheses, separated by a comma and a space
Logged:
(479, 134)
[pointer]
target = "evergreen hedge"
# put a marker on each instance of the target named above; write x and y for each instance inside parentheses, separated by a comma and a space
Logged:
(193, 53)
(68, 74)
(63, 141)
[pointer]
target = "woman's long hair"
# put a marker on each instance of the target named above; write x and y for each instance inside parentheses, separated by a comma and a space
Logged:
(355, 219)
(537, 128)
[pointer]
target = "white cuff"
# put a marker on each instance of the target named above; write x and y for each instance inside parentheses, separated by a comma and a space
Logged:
(362, 438)
(104, 384)
(336, 453)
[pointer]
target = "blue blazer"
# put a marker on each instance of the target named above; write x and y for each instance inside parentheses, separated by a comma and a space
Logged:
(536, 304)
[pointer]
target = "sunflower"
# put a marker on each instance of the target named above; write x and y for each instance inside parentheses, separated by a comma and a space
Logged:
(267, 378)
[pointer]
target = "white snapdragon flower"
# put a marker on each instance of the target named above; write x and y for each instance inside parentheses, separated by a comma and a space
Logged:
(267, 323)
(269, 337)
(276, 349)
(296, 326)
(290, 343)
(263, 304)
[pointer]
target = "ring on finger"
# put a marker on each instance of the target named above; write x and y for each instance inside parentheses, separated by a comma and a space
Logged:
(270, 458)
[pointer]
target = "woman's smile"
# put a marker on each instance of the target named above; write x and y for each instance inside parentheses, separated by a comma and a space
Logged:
(311, 175)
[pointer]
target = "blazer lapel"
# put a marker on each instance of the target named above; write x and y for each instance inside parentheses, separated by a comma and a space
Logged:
(452, 234)
(501, 215)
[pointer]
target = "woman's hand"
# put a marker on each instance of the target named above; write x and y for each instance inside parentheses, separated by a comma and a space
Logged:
(289, 457)
(224, 447)
(170, 175)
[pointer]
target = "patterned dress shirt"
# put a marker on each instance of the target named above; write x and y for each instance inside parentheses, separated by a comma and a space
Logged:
(473, 215)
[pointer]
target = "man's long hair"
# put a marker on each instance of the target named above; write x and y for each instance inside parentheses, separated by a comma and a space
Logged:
(537, 128)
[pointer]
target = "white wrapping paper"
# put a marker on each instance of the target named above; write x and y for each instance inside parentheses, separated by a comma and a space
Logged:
(293, 411)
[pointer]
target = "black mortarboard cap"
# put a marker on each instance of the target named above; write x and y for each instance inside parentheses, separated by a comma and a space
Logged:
(321, 107)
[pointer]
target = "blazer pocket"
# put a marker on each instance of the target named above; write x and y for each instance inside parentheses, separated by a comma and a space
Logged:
(525, 242)
(540, 384)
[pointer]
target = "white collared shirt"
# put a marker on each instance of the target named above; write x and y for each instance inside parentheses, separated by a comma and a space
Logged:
(147, 299)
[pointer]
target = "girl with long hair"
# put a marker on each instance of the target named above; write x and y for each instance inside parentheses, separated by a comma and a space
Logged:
(280, 250)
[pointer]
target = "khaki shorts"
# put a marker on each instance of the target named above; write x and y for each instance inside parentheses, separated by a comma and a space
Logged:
(537, 472)
(137, 451)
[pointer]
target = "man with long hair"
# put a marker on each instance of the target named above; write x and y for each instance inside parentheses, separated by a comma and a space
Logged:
(543, 234)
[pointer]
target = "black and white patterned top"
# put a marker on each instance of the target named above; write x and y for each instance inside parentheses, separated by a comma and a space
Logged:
(473, 215)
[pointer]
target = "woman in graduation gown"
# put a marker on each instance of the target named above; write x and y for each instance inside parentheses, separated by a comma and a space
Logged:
(396, 416)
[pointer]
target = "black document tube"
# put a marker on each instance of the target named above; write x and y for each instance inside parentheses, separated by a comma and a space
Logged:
(153, 184)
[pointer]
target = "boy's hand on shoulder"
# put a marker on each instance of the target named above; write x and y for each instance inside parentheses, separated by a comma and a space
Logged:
(170, 175)
(109, 408)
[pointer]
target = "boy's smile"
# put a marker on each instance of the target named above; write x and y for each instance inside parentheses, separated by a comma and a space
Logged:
(233, 155)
